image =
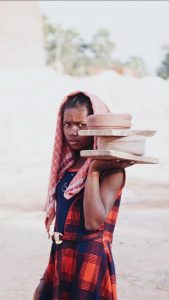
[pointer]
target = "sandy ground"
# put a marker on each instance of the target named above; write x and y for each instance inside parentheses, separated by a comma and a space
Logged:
(140, 250)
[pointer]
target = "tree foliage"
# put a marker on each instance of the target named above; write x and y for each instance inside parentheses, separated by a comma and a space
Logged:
(136, 65)
(63, 48)
(67, 52)
(163, 70)
(102, 48)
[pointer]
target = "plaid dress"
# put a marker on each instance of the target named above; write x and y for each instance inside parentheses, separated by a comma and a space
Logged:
(81, 267)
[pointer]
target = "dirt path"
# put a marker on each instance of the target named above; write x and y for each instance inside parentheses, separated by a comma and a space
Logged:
(141, 253)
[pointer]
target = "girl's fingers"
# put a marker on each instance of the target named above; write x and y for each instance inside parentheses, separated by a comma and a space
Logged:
(127, 164)
(113, 163)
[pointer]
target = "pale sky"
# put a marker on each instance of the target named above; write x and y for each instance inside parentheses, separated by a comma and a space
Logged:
(138, 28)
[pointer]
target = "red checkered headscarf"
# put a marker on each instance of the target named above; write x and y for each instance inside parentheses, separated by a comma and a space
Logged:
(63, 159)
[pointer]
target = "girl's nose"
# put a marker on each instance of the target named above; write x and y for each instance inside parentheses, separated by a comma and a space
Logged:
(74, 130)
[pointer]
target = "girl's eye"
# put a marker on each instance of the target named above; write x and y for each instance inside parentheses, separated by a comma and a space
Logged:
(66, 124)
(82, 125)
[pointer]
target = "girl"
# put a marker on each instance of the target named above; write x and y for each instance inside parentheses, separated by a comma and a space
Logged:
(84, 198)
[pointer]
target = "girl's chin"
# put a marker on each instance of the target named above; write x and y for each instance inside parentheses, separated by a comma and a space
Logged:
(79, 147)
(75, 147)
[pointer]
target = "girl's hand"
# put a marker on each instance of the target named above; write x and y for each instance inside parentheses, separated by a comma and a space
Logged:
(47, 226)
(46, 222)
(99, 165)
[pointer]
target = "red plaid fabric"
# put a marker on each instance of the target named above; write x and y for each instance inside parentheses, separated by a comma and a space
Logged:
(63, 159)
(82, 267)
(68, 264)
(89, 271)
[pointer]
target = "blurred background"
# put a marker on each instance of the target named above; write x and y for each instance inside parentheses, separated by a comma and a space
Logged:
(118, 50)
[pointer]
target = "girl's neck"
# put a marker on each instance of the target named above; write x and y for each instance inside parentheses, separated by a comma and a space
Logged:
(79, 161)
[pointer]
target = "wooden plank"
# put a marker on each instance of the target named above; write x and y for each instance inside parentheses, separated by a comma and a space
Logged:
(113, 154)
(116, 132)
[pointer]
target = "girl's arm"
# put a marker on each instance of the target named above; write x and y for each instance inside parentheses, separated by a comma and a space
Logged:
(99, 197)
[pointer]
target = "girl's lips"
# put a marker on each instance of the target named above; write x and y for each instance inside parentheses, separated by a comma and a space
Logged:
(73, 141)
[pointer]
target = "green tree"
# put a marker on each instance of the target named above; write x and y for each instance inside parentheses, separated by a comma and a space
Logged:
(163, 70)
(64, 47)
(68, 53)
(102, 47)
(137, 65)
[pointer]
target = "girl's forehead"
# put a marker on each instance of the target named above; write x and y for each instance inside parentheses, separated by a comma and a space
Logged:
(75, 113)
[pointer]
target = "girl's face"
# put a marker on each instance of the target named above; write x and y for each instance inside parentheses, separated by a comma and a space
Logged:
(74, 119)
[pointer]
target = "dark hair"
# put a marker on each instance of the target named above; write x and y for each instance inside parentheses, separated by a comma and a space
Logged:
(79, 99)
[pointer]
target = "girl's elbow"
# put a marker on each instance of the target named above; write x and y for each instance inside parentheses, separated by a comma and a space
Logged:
(93, 225)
